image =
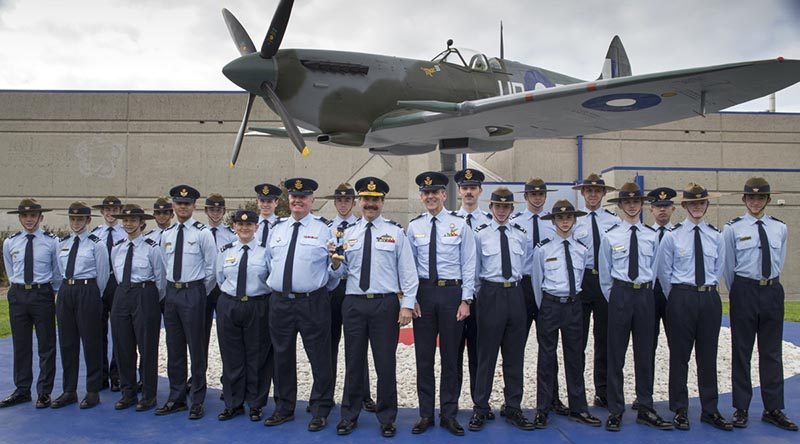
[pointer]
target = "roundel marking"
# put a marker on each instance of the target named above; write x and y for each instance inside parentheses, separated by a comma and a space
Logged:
(623, 102)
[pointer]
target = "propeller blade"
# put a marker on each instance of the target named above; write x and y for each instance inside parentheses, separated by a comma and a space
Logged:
(288, 123)
(243, 41)
(240, 135)
(276, 29)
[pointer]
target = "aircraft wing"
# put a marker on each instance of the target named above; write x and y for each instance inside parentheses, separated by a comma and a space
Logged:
(590, 107)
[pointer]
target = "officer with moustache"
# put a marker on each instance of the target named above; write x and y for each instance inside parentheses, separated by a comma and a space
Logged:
(163, 214)
(444, 249)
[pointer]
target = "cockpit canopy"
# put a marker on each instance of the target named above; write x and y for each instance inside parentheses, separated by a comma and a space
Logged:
(467, 58)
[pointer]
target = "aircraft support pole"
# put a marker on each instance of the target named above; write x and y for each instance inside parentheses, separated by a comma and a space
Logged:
(449, 169)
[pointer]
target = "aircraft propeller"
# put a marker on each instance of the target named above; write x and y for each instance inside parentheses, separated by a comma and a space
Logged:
(245, 69)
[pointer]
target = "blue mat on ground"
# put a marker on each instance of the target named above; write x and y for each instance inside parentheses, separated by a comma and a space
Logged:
(26, 424)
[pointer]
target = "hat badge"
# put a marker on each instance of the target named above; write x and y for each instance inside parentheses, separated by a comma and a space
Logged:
(468, 174)
(631, 194)
(184, 192)
(74, 210)
(27, 208)
(244, 217)
(298, 184)
(371, 186)
(563, 209)
(755, 190)
(698, 195)
(503, 199)
(265, 190)
(428, 181)
(662, 195)
(342, 192)
(594, 182)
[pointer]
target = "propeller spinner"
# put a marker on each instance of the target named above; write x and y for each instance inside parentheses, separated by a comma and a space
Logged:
(258, 72)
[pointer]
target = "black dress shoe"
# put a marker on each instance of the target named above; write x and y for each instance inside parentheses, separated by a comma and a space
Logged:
(64, 400)
(559, 408)
(346, 427)
(740, 418)
(600, 401)
(778, 418)
(145, 405)
(14, 399)
(614, 423)
(476, 422)
(650, 418)
(90, 400)
(227, 414)
(43, 402)
(717, 421)
(317, 423)
(518, 420)
(124, 403)
(388, 430)
(490, 415)
(170, 407)
(585, 418)
(255, 414)
(278, 419)
(196, 412)
(540, 420)
(452, 426)
(115, 385)
(681, 420)
(422, 425)
(369, 405)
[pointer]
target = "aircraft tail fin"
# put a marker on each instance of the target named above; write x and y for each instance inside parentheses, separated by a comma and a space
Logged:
(616, 63)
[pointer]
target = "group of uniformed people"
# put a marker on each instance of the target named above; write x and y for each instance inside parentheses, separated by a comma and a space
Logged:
(467, 279)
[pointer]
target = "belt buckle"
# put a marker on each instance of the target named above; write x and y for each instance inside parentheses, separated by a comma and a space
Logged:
(370, 295)
(290, 296)
(506, 284)
(595, 272)
(441, 283)
(70, 281)
(29, 286)
(637, 286)
(563, 299)
(763, 282)
(179, 285)
(244, 298)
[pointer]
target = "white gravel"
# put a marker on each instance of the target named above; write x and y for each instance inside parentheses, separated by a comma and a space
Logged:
(406, 371)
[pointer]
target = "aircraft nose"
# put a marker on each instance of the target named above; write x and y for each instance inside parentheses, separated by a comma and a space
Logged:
(250, 71)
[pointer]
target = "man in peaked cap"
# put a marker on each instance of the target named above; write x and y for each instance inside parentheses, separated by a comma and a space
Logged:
(267, 196)
(589, 230)
(109, 233)
(163, 214)
(755, 251)
(690, 259)
(31, 260)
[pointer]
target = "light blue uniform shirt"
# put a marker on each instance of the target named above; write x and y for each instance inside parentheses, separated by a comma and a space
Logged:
(615, 255)
(477, 216)
(225, 235)
(392, 269)
(147, 265)
(546, 231)
(312, 266)
(583, 230)
(271, 220)
(455, 249)
(257, 268)
(91, 261)
(676, 255)
(338, 222)
(489, 262)
(550, 273)
(199, 253)
(45, 258)
(657, 227)
(743, 248)
(117, 234)
(155, 234)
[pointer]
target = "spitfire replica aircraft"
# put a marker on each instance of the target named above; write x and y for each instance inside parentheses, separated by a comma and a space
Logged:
(462, 101)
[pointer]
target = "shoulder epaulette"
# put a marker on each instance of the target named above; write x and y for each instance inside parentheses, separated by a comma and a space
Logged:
(279, 221)
(676, 226)
(580, 242)
(171, 227)
(612, 227)
(93, 238)
(62, 239)
(517, 214)
(198, 225)
(15, 235)
(150, 242)
(488, 215)
(651, 228)
(609, 212)
(713, 227)
(733, 221)
(417, 217)
(544, 242)
(95, 228)
(481, 227)
(777, 220)
(49, 234)
(230, 229)
(121, 241)
(323, 220)
(226, 246)
(149, 232)
(389, 221)
(453, 213)
(518, 227)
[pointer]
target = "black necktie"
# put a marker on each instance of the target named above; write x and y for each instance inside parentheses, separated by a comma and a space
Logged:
(570, 269)
(595, 239)
(469, 220)
(264, 233)
(366, 258)
(661, 231)
(177, 263)
(109, 246)
(766, 259)
(699, 265)
(73, 254)
(433, 273)
(214, 233)
(289, 265)
(29, 259)
(241, 279)
(633, 256)
(126, 270)
(505, 254)
(536, 230)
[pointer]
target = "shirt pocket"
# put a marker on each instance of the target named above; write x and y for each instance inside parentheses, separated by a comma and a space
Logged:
(647, 249)
(775, 244)
(313, 243)
(491, 249)
(552, 265)
(747, 244)
(451, 240)
(422, 241)
(385, 246)
(191, 246)
(141, 263)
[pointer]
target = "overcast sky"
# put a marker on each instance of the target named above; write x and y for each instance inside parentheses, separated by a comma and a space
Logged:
(183, 44)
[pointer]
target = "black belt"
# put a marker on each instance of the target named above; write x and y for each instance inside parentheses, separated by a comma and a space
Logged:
(701, 288)
(30, 286)
(293, 296)
(441, 282)
(246, 298)
(645, 285)
(500, 284)
(79, 281)
(144, 284)
(181, 285)
(758, 282)
(559, 299)
(374, 295)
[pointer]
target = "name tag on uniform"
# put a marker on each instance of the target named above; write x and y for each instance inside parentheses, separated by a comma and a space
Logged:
(65, 249)
(551, 259)
(168, 245)
(352, 242)
(310, 236)
(418, 235)
(230, 259)
(619, 248)
(745, 238)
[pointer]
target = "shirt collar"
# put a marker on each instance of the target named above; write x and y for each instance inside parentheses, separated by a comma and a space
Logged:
(375, 223)
(750, 219)
(304, 221)
(251, 245)
(438, 216)
(189, 222)
(136, 242)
